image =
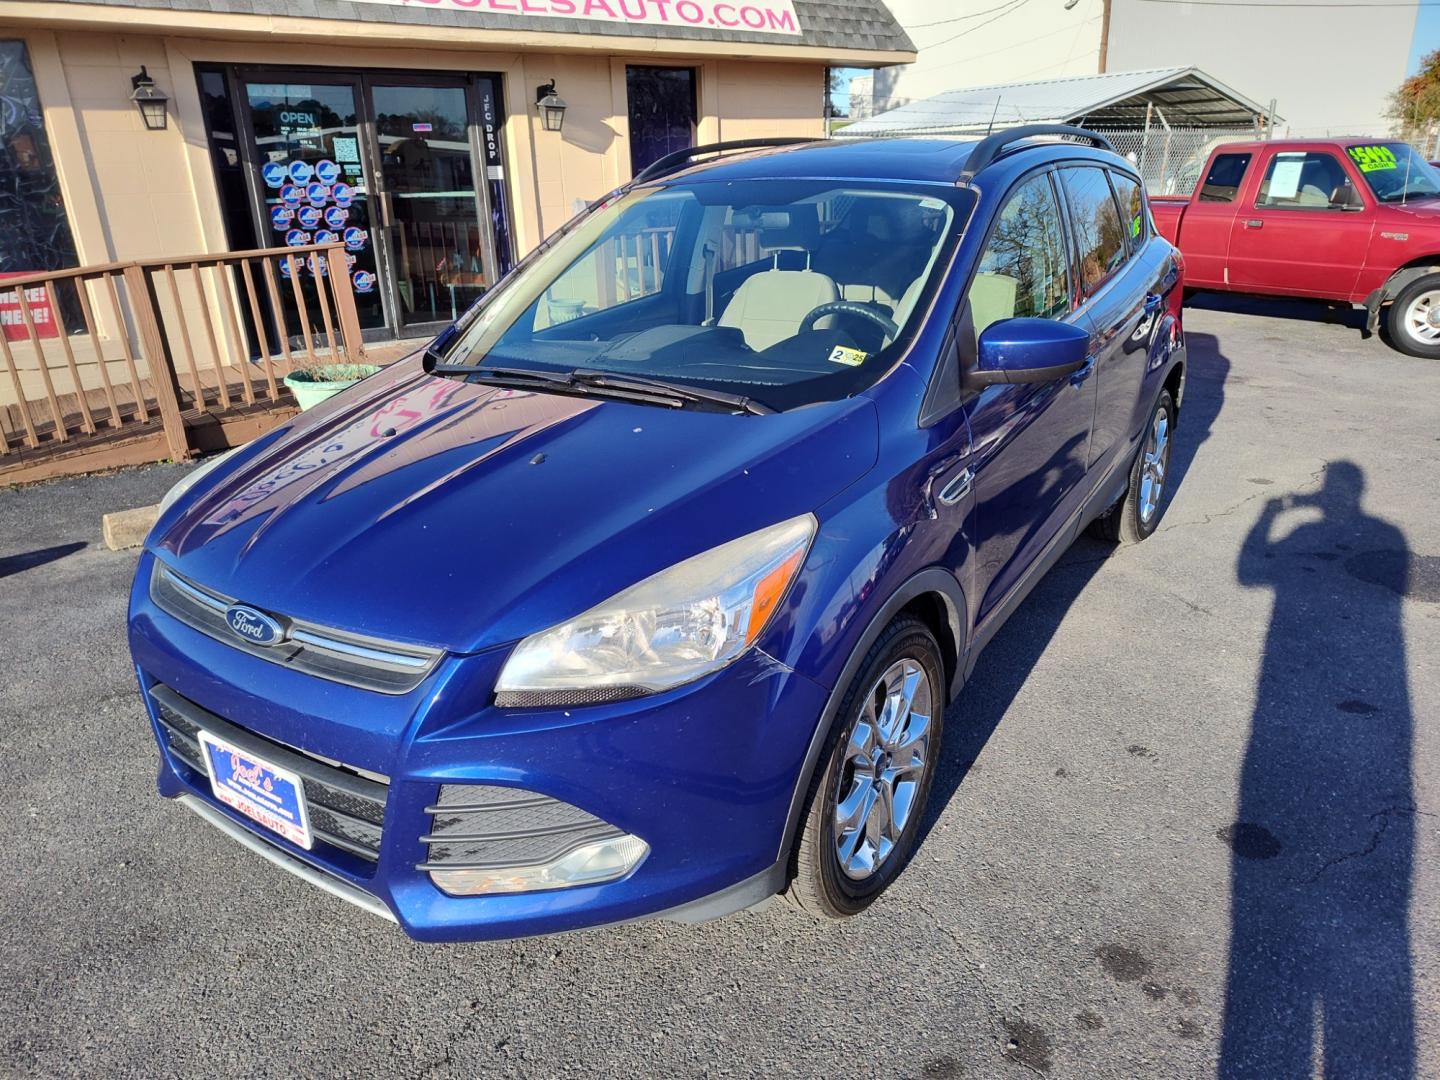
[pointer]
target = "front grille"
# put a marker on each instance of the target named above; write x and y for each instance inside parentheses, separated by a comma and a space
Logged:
(486, 827)
(337, 655)
(346, 807)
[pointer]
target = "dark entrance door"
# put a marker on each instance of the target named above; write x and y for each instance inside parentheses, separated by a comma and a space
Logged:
(405, 170)
(662, 112)
(437, 251)
(306, 131)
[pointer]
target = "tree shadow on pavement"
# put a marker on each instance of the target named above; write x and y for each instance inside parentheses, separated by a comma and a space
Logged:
(1014, 651)
(1324, 833)
(28, 560)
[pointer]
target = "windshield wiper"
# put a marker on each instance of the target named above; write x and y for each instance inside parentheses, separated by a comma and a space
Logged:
(604, 384)
(683, 391)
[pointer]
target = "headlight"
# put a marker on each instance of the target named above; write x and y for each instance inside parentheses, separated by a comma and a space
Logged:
(191, 479)
(682, 623)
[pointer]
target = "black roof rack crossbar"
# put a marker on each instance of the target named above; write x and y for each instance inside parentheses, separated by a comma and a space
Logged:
(992, 146)
(680, 158)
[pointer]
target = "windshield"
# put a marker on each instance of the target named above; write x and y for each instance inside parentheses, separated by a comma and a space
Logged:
(1395, 171)
(784, 292)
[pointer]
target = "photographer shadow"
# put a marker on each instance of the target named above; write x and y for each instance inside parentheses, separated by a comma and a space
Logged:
(1323, 840)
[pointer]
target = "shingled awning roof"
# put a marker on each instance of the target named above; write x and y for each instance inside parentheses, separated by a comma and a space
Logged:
(1116, 100)
(835, 26)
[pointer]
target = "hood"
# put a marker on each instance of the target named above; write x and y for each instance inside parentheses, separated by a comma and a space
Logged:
(1426, 209)
(426, 510)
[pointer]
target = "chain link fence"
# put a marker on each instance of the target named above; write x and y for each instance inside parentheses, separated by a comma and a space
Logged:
(1170, 160)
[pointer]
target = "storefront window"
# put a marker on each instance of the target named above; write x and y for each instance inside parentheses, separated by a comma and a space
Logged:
(34, 232)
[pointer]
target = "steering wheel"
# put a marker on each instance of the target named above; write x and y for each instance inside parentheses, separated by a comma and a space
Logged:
(849, 307)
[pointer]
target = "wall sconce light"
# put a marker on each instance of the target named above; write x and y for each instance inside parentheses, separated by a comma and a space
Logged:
(551, 105)
(150, 99)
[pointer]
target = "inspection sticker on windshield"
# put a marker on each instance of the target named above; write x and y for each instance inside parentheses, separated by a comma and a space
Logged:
(1372, 158)
(847, 356)
(265, 793)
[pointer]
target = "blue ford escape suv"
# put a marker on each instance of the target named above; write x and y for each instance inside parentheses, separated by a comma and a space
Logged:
(644, 592)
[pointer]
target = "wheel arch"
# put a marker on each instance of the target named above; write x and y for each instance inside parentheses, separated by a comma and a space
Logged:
(932, 595)
(1400, 277)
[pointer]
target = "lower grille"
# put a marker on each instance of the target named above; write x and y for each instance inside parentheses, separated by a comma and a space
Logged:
(486, 827)
(346, 810)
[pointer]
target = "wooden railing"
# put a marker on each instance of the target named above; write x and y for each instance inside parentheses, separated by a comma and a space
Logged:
(110, 349)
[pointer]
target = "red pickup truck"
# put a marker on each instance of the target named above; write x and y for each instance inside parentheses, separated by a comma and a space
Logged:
(1353, 220)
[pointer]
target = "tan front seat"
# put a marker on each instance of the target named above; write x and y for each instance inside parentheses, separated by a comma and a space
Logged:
(769, 305)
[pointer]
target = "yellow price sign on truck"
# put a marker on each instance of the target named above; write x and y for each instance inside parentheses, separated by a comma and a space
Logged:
(1372, 158)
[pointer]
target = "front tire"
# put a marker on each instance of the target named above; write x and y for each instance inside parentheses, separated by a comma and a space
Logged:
(1138, 512)
(865, 805)
(1413, 320)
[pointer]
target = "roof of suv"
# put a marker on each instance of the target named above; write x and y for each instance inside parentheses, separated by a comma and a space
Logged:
(918, 160)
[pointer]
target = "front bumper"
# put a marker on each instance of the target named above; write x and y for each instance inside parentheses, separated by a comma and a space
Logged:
(704, 774)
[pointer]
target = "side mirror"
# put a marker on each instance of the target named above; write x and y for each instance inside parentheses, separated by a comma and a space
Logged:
(1028, 351)
(1345, 197)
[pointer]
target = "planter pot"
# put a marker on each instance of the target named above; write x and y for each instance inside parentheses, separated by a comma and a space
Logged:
(313, 385)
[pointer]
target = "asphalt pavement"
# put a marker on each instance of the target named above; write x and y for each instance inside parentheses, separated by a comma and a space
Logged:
(1186, 824)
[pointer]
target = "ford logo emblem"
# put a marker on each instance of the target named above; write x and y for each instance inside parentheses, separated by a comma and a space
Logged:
(254, 626)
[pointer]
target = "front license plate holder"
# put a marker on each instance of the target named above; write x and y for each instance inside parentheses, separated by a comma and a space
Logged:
(265, 793)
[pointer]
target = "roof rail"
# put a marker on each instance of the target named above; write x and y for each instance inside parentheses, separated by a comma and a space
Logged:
(680, 158)
(992, 146)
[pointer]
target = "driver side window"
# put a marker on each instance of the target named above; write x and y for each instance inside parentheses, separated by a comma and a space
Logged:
(1022, 272)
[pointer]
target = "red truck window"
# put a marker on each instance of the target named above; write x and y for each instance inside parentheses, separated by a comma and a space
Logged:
(1222, 182)
(1302, 180)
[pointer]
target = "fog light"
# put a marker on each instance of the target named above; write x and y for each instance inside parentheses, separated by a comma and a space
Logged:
(601, 860)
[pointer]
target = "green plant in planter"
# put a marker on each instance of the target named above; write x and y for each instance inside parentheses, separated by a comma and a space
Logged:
(313, 385)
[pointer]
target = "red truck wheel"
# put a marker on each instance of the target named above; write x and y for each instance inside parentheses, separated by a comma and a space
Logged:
(1414, 318)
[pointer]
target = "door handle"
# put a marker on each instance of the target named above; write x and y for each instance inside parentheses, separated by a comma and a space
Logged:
(1082, 373)
(1254, 223)
(957, 488)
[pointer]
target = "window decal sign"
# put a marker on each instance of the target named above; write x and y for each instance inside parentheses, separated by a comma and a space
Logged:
(281, 217)
(336, 216)
(326, 171)
(41, 314)
(355, 238)
(364, 281)
(755, 16)
(1372, 158)
(301, 171)
(318, 194)
(325, 236)
(297, 238)
(308, 217)
(273, 173)
(290, 195)
(343, 194)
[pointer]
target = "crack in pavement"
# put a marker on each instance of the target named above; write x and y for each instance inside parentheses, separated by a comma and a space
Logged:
(1384, 814)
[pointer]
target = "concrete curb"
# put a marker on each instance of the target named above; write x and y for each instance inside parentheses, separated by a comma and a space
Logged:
(128, 528)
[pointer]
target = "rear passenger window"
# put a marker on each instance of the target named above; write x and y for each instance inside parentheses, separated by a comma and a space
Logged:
(1022, 271)
(1099, 231)
(1222, 182)
(1297, 180)
(1132, 202)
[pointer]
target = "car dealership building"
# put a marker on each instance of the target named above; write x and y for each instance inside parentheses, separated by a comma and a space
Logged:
(439, 139)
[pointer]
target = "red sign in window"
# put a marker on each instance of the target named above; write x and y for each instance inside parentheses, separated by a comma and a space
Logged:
(41, 313)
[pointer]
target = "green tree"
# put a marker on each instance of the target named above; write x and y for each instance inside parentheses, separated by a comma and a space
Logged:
(1415, 105)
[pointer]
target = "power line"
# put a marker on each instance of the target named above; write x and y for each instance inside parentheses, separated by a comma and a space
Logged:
(1007, 9)
(958, 18)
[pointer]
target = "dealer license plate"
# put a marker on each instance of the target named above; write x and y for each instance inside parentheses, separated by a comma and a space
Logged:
(265, 793)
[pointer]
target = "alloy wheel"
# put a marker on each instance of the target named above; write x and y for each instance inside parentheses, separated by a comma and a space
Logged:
(1153, 464)
(1422, 318)
(886, 755)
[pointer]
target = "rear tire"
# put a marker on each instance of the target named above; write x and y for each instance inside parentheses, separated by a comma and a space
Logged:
(866, 802)
(1139, 510)
(1413, 321)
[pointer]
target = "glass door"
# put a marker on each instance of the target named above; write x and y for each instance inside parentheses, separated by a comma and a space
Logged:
(313, 183)
(438, 254)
